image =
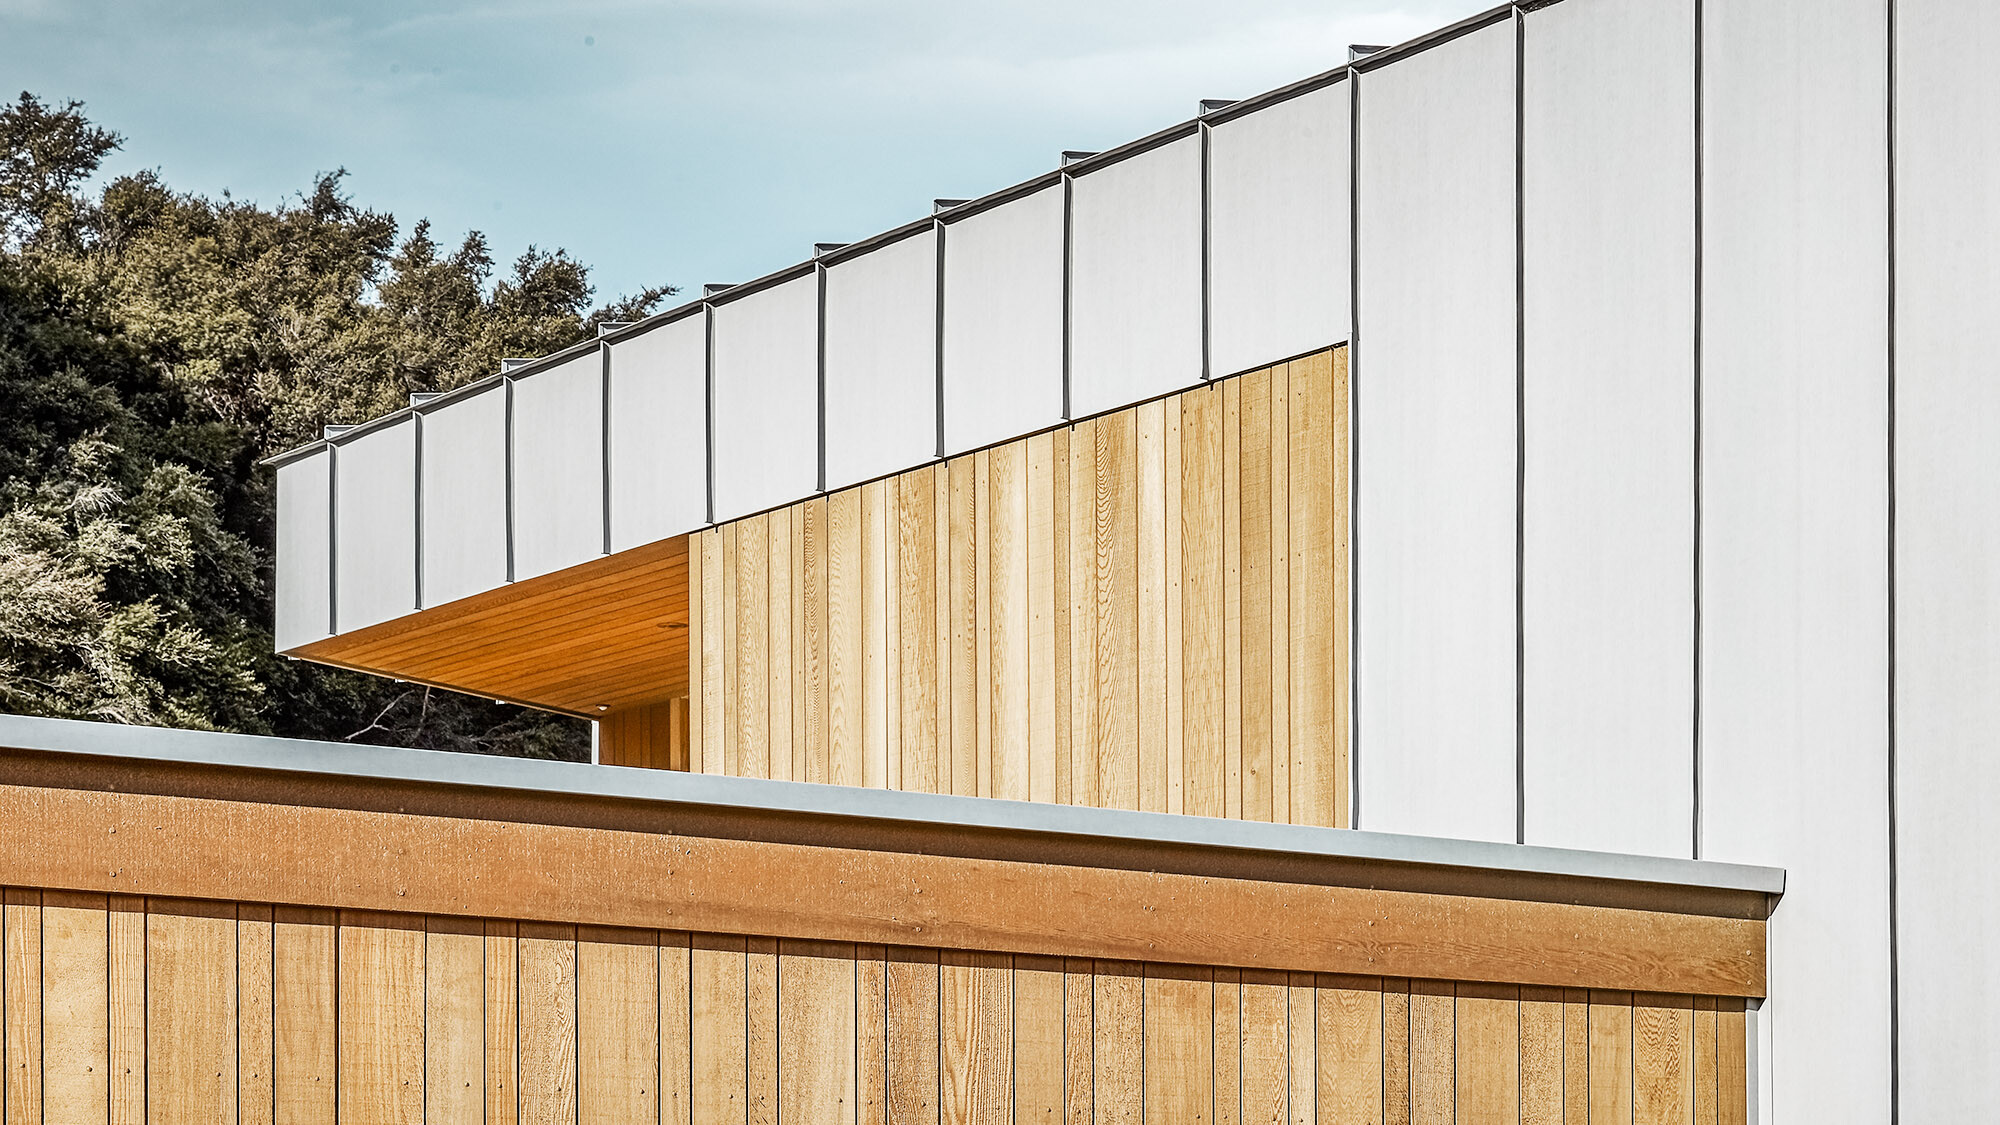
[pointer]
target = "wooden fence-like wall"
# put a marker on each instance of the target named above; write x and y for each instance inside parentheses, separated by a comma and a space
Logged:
(1144, 610)
(129, 1009)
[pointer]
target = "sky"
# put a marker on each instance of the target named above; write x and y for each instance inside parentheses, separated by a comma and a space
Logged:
(671, 143)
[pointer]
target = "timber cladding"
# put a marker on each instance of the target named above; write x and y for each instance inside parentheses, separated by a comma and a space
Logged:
(1144, 610)
(128, 1009)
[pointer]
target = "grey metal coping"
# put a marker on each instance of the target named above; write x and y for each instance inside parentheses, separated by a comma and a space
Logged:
(886, 806)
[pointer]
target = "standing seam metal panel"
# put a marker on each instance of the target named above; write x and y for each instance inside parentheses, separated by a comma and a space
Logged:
(1608, 593)
(1794, 522)
(375, 512)
(766, 398)
(659, 433)
(1437, 266)
(1135, 284)
(1278, 231)
(1003, 321)
(558, 440)
(1947, 556)
(881, 361)
(305, 551)
(465, 496)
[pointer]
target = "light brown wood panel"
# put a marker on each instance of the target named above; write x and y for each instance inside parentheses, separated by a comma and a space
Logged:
(191, 1013)
(911, 1031)
(125, 937)
(1254, 468)
(1232, 599)
(676, 1023)
(1007, 561)
(961, 561)
(877, 664)
(916, 593)
(76, 1007)
(255, 1098)
(381, 1005)
(1178, 1041)
(1045, 696)
(618, 1029)
(305, 961)
(976, 1040)
(1149, 492)
(503, 1022)
(781, 629)
(21, 1004)
(1083, 623)
(545, 968)
(982, 621)
(846, 639)
(454, 1021)
(818, 1029)
(733, 1029)
(1201, 572)
(1117, 606)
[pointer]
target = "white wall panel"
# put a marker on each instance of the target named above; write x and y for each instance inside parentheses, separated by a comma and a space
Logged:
(1948, 556)
(465, 496)
(1437, 384)
(305, 558)
(559, 466)
(1135, 279)
(1794, 522)
(659, 432)
(1003, 321)
(767, 398)
(1608, 227)
(1278, 229)
(881, 361)
(375, 526)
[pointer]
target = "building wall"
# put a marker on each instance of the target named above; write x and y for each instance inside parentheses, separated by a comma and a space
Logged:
(1142, 610)
(128, 1009)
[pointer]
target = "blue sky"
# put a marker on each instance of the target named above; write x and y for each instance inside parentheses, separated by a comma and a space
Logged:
(674, 143)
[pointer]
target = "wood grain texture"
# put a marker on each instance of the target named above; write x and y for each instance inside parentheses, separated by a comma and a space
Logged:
(1541, 1055)
(912, 1010)
(546, 977)
(818, 1027)
(1611, 1075)
(1226, 1037)
(1118, 1042)
(871, 1034)
(191, 1014)
(255, 1098)
(618, 1030)
(1179, 1040)
(503, 1022)
(21, 1004)
(760, 1065)
(1488, 1059)
(381, 1005)
(125, 937)
(1039, 1027)
(76, 1008)
(676, 1024)
(1302, 1000)
(1349, 1046)
(976, 1040)
(719, 1003)
(1663, 1059)
(454, 1021)
(1265, 1051)
(1433, 1052)
(305, 983)
(1079, 1040)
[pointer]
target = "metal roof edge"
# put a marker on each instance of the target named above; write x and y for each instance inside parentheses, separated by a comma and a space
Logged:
(1246, 106)
(758, 285)
(1477, 22)
(888, 237)
(752, 795)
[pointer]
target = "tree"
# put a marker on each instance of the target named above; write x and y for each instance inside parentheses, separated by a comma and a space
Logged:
(154, 346)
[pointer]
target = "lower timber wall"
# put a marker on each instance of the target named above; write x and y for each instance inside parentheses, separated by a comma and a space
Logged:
(126, 1009)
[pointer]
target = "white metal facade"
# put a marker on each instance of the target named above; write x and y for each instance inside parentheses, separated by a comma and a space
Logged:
(1676, 418)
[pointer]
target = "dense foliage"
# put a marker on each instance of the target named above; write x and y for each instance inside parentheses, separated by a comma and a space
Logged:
(154, 345)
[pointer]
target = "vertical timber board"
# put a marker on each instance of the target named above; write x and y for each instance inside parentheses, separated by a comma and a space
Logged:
(255, 1101)
(1397, 1036)
(946, 643)
(982, 621)
(1117, 612)
(697, 612)
(1341, 578)
(1349, 1016)
(676, 1023)
(916, 618)
(1253, 470)
(1178, 1041)
(1148, 482)
(503, 1022)
(1038, 1040)
(1232, 599)
(1265, 1042)
(753, 646)
(714, 652)
(779, 626)
(1173, 691)
(1610, 1057)
(305, 961)
(818, 729)
(619, 1037)
(454, 1021)
(1226, 1047)
(547, 980)
(1006, 499)
(1079, 1041)
(818, 1031)
(1278, 651)
(871, 1034)
(1083, 685)
(75, 983)
(21, 1004)
(1732, 1061)
(729, 609)
(1488, 1055)
(1705, 1104)
(760, 987)
(717, 1034)
(191, 1012)
(911, 1019)
(876, 664)
(126, 941)
(976, 1024)
(1433, 1052)
(1119, 1084)
(1302, 1048)
(1200, 551)
(381, 1017)
(1541, 1056)
(962, 549)
(1663, 1059)
(845, 650)
(1059, 681)
(1316, 663)
(1576, 1056)
(1039, 682)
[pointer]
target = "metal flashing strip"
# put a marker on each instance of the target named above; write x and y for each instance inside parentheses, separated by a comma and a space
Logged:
(1245, 106)
(753, 795)
(994, 199)
(1425, 42)
(1178, 132)
(757, 285)
(876, 242)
